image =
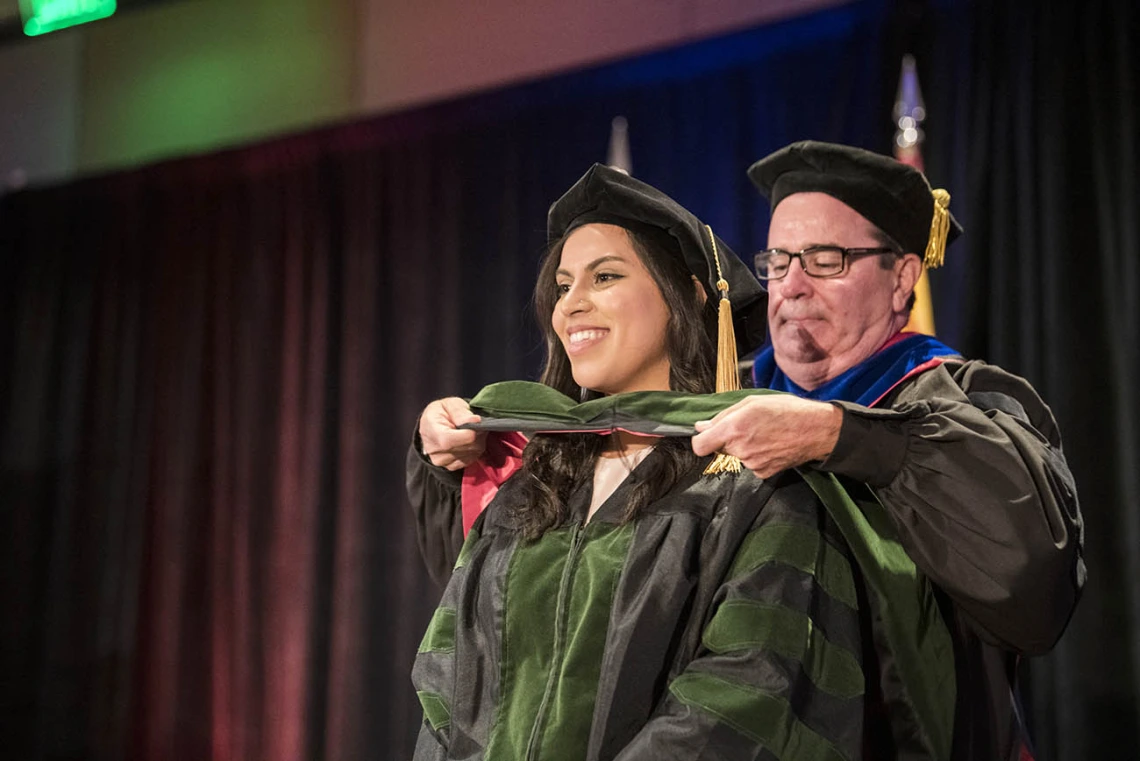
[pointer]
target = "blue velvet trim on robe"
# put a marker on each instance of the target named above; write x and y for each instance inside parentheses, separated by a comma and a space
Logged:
(866, 382)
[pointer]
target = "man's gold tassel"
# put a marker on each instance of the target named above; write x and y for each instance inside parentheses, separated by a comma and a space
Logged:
(939, 229)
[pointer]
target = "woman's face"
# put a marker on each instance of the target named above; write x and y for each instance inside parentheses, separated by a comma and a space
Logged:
(610, 315)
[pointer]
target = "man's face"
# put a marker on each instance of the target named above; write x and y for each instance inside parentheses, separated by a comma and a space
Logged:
(822, 327)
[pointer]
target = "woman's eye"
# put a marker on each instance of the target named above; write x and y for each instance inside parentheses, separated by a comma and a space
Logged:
(605, 277)
(563, 288)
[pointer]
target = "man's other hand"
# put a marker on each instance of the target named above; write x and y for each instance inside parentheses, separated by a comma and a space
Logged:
(444, 443)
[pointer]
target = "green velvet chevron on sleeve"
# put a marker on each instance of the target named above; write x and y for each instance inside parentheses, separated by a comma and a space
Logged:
(915, 630)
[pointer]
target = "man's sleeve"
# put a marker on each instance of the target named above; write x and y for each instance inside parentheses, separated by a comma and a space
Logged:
(779, 665)
(435, 496)
(968, 462)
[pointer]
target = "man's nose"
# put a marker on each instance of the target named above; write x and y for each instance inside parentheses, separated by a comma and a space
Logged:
(797, 282)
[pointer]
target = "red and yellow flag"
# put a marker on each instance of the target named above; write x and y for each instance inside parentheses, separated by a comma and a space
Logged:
(909, 115)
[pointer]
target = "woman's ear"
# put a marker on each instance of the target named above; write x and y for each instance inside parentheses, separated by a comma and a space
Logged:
(702, 294)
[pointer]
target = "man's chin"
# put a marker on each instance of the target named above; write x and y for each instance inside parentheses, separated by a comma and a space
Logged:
(793, 343)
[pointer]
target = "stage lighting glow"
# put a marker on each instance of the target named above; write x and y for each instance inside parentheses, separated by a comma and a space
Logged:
(43, 16)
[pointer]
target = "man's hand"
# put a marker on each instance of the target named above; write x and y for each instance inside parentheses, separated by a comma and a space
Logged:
(446, 445)
(771, 433)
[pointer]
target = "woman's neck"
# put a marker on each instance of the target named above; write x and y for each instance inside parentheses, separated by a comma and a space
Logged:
(625, 443)
(624, 451)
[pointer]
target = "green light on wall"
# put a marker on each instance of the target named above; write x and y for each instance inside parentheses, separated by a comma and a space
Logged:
(43, 16)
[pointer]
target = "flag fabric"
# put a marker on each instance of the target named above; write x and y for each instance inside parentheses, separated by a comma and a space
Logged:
(909, 115)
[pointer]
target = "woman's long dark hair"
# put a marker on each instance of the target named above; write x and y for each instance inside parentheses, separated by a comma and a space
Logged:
(555, 465)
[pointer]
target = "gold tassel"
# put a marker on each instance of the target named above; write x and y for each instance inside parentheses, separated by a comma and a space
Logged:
(939, 229)
(727, 371)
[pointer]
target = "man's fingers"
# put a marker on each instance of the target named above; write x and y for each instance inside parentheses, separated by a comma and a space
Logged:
(448, 461)
(453, 457)
(453, 440)
(454, 407)
(714, 435)
(708, 442)
(726, 412)
(459, 412)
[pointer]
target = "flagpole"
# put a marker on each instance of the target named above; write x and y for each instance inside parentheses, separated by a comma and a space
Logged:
(619, 156)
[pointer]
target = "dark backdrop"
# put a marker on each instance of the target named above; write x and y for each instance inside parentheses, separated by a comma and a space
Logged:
(210, 368)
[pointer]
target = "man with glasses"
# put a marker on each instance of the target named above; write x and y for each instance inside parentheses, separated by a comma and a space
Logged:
(965, 456)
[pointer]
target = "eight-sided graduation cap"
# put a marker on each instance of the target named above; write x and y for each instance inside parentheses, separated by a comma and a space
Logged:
(895, 197)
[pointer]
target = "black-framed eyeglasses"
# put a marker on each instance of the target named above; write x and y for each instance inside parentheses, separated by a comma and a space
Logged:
(817, 261)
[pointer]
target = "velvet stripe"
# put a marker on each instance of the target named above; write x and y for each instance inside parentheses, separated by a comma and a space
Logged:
(918, 637)
(553, 644)
(528, 639)
(573, 695)
(440, 634)
(746, 624)
(800, 547)
(762, 717)
(829, 716)
(776, 584)
(436, 712)
(465, 551)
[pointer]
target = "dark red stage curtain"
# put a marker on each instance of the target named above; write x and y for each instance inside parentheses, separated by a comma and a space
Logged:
(207, 553)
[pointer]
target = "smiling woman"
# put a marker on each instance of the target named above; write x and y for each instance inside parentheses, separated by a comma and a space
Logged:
(626, 299)
(618, 332)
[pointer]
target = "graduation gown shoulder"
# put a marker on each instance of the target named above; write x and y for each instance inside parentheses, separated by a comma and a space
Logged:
(967, 459)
